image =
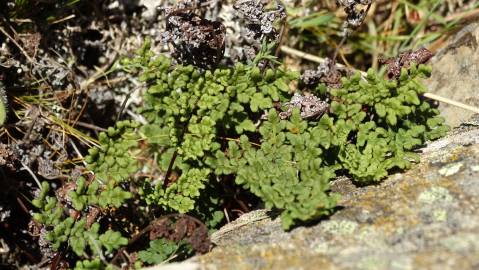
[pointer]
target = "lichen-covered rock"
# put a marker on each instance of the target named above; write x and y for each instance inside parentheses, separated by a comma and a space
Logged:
(424, 218)
(456, 69)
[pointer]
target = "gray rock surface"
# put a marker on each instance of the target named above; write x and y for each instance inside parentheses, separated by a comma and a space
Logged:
(456, 73)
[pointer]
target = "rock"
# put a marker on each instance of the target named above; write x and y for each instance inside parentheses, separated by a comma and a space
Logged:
(175, 266)
(455, 74)
(423, 218)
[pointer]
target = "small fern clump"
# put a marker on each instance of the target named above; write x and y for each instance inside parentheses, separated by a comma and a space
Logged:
(195, 116)
(205, 129)
(72, 222)
(64, 228)
(161, 250)
(287, 171)
(214, 125)
(116, 159)
(376, 123)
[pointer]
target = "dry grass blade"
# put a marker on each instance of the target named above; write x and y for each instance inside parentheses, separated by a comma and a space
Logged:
(451, 102)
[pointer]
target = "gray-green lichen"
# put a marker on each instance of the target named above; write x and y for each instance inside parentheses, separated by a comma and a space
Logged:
(450, 169)
(341, 227)
(435, 195)
(439, 215)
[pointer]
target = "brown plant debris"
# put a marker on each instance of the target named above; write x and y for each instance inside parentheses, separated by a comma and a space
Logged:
(258, 18)
(310, 106)
(195, 40)
(326, 73)
(8, 157)
(355, 13)
(404, 60)
(177, 227)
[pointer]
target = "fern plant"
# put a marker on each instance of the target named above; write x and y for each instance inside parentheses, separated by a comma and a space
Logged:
(161, 250)
(382, 123)
(68, 223)
(192, 115)
(287, 171)
(205, 128)
(213, 125)
(64, 230)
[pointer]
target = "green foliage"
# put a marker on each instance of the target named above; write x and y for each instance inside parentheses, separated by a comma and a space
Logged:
(87, 264)
(63, 229)
(103, 192)
(83, 195)
(208, 127)
(180, 196)
(161, 250)
(204, 128)
(192, 114)
(112, 240)
(378, 123)
(287, 171)
(114, 162)
(3, 105)
(94, 264)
